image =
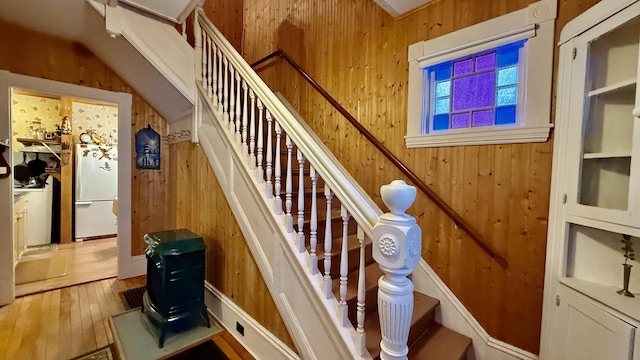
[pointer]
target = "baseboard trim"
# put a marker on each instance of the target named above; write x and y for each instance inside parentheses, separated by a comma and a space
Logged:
(135, 267)
(455, 316)
(257, 340)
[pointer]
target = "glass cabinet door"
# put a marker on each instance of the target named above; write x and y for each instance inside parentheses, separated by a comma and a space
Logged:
(609, 98)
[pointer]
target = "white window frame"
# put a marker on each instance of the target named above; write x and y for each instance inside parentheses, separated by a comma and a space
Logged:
(535, 23)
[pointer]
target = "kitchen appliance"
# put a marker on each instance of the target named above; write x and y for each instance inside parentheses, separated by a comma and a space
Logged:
(96, 186)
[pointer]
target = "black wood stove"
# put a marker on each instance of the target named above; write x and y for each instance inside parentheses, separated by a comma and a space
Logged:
(174, 296)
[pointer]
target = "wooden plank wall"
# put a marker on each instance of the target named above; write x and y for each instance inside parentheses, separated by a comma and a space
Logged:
(40, 55)
(358, 53)
(201, 207)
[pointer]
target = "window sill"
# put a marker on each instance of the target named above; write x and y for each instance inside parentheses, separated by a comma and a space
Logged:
(522, 134)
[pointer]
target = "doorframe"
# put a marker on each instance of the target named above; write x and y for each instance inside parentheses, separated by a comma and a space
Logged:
(128, 265)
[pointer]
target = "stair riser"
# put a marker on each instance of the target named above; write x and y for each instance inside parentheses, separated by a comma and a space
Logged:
(353, 259)
(336, 228)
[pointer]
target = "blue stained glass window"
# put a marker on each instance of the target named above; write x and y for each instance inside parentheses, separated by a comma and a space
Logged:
(443, 88)
(485, 62)
(509, 54)
(506, 115)
(507, 96)
(443, 71)
(441, 122)
(508, 76)
(478, 90)
(474, 91)
(442, 106)
(483, 118)
(462, 67)
(460, 120)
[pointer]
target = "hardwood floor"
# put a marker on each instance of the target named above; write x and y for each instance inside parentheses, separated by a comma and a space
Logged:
(86, 261)
(61, 319)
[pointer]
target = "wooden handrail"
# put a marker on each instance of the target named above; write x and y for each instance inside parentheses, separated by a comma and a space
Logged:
(457, 219)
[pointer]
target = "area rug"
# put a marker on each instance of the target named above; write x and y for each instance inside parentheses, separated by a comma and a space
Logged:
(105, 353)
(132, 298)
(40, 267)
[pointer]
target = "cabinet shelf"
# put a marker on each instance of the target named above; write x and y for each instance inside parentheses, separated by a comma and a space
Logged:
(606, 295)
(605, 155)
(628, 84)
(29, 142)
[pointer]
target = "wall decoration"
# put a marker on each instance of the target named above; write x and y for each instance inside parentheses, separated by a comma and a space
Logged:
(100, 121)
(33, 115)
(147, 149)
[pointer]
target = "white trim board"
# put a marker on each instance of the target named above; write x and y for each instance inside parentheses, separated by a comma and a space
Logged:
(454, 315)
(257, 340)
(128, 266)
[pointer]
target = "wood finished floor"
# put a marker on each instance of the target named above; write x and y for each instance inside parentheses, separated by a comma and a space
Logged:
(86, 261)
(69, 320)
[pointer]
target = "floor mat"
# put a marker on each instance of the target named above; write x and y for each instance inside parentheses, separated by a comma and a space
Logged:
(132, 298)
(135, 340)
(41, 267)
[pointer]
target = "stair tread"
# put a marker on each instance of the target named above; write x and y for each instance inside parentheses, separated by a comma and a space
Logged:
(441, 343)
(423, 318)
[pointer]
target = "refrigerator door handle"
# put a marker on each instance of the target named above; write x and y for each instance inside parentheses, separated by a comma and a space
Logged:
(84, 202)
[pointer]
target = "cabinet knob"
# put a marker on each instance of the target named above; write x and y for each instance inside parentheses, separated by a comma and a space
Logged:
(636, 112)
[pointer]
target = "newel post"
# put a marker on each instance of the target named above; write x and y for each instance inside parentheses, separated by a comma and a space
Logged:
(397, 242)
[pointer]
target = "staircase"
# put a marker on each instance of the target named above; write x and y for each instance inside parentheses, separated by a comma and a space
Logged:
(427, 338)
(307, 222)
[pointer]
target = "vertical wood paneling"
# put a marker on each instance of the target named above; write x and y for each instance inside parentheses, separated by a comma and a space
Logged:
(358, 54)
(202, 207)
(39, 55)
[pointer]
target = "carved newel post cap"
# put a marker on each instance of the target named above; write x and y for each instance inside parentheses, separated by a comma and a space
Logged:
(398, 196)
(397, 239)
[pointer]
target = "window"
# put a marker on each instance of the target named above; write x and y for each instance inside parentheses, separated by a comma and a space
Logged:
(486, 84)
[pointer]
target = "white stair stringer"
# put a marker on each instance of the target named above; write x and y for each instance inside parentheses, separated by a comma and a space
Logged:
(170, 86)
(310, 318)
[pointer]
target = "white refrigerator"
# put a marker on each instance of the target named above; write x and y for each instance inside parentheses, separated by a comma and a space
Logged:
(96, 188)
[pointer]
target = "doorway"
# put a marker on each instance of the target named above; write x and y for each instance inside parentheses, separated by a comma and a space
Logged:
(65, 189)
(127, 265)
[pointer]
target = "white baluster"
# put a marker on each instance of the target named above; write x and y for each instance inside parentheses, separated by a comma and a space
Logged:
(397, 249)
(197, 34)
(343, 310)
(360, 306)
(220, 80)
(245, 117)
(277, 202)
(225, 103)
(239, 121)
(288, 203)
(313, 226)
(214, 72)
(184, 30)
(269, 170)
(210, 62)
(252, 137)
(234, 124)
(328, 243)
(260, 172)
(301, 160)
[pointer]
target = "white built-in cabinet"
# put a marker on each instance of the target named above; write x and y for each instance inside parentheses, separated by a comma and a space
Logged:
(595, 197)
(19, 228)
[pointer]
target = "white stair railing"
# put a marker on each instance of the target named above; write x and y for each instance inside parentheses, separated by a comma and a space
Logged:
(258, 121)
